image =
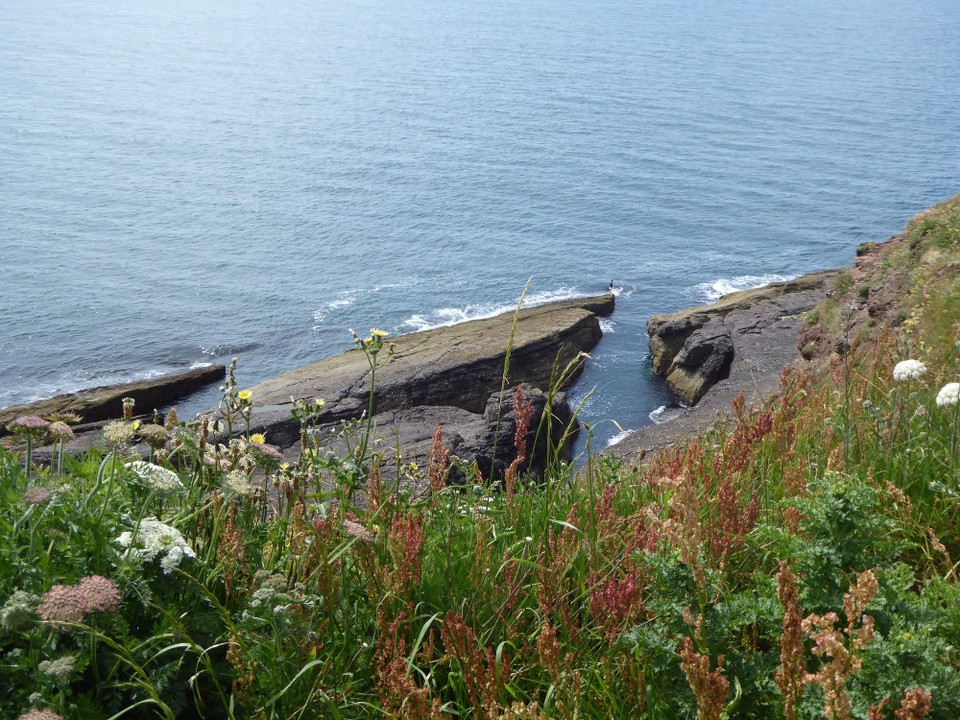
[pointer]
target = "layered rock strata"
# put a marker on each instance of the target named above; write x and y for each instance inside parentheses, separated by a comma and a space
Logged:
(449, 377)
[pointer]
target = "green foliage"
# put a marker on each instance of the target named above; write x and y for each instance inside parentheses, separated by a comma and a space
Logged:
(937, 227)
(843, 284)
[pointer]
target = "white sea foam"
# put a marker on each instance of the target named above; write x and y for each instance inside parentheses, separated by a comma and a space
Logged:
(607, 326)
(345, 299)
(443, 317)
(620, 437)
(665, 413)
(715, 289)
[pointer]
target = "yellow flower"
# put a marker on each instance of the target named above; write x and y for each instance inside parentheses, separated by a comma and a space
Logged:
(258, 438)
(376, 332)
(244, 395)
(319, 403)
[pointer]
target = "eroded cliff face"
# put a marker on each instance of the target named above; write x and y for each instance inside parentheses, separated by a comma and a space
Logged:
(695, 348)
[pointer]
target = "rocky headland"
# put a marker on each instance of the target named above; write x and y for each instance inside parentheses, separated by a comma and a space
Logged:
(710, 353)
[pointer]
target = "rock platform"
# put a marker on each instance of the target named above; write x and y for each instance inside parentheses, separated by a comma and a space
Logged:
(104, 403)
(448, 376)
(709, 354)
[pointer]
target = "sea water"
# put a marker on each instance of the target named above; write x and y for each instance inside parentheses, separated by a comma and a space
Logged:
(183, 182)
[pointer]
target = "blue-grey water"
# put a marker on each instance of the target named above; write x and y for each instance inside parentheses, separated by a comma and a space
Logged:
(184, 181)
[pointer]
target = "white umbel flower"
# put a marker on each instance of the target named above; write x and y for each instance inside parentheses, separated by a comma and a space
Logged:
(154, 539)
(909, 370)
(155, 477)
(949, 394)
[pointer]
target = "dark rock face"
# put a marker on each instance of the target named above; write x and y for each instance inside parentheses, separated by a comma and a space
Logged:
(98, 404)
(705, 358)
(551, 426)
(737, 337)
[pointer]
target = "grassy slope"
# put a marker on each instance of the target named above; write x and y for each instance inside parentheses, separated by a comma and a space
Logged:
(664, 592)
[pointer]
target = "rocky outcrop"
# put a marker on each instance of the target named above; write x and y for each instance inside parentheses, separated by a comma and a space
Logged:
(487, 439)
(696, 348)
(98, 404)
(457, 366)
(449, 377)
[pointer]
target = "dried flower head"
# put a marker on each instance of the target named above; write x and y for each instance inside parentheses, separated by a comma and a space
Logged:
(28, 425)
(266, 451)
(98, 594)
(171, 421)
(355, 529)
(155, 477)
(59, 431)
(69, 603)
(909, 370)
(236, 484)
(61, 604)
(36, 495)
(709, 688)
(38, 714)
(948, 394)
(117, 433)
(128, 403)
(155, 435)
(915, 705)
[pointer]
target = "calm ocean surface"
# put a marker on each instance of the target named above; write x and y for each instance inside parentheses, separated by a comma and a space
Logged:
(183, 181)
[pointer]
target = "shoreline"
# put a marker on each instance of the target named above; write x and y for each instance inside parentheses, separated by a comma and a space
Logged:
(758, 329)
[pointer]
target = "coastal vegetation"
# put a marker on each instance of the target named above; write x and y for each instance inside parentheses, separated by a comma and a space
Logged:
(798, 561)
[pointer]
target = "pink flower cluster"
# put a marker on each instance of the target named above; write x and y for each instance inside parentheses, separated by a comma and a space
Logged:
(69, 603)
(45, 714)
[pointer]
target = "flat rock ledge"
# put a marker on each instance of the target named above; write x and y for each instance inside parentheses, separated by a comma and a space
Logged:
(449, 377)
(103, 403)
(711, 353)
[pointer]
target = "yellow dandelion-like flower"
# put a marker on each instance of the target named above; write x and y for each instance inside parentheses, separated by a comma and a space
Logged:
(377, 332)
(319, 403)
(258, 438)
(244, 395)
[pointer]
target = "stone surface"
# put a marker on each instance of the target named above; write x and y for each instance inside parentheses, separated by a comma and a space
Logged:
(698, 347)
(763, 325)
(668, 333)
(103, 403)
(457, 366)
(704, 359)
(486, 439)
